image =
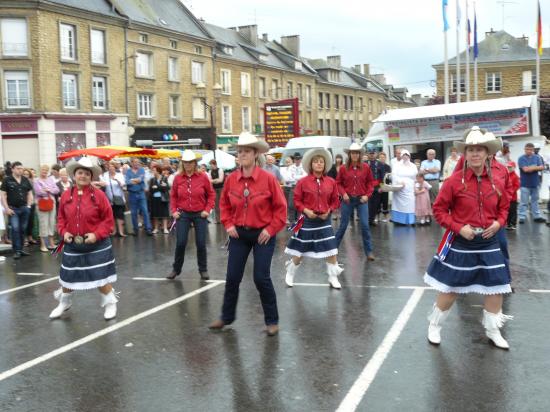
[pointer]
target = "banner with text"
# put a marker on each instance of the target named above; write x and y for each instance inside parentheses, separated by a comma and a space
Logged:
(281, 121)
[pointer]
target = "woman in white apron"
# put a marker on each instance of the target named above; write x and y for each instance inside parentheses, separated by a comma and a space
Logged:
(404, 173)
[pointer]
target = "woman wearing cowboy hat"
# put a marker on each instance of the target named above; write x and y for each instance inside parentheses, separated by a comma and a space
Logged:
(85, 222)
(191, 200)
(355, 184)
(472, 206)
(315, 196)
(253, 211)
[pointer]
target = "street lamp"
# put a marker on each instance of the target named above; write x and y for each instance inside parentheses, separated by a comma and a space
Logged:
(201, 93)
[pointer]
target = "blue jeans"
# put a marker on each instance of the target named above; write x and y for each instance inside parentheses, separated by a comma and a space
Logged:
(239, 249)
(182, 232)
(363, 213)
(503, 243)
(137, 203)
(18, 223)
(529, 195)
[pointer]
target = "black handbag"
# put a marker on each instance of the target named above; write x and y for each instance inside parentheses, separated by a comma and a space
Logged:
(117, 200)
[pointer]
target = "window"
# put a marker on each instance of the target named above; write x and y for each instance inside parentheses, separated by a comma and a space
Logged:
(245, 84)
(337, 127)
(345, 102)
(226, 81)
(351, 128)
(320, 126)
(99, 92)
(289, 90)
(334, 76)
(351, 102)
(308, 119)
(144, 67)
(462, 83)
(320, 100)
(173, 44)
(143, 38)
(327, 100)
(328, 127)
(308, 96)
(174, 102)
(197, 72)
(14, 37)
(17, 89)
(263, 57)
(370, 106)
(199, 109)
(297, 65)
(493, 82)
(198, 49)
(336, 101)
(246, 119)
(228, 50)
(361, 105)
(379, 106)
(68, 41)
(275, 88)
(98, 46)
(345, 127)
(173, 72)
(529, 81)
(300, 92)
(226, 118)
(70, 93)
(145, 106)
(261, 87)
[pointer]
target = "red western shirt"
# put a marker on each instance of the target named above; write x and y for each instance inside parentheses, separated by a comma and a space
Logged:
(356, 180)
(472, 202)
(319, 195)
(90, 212)
(499, 171)
(192, 193)
(515, 183)
(264, 207)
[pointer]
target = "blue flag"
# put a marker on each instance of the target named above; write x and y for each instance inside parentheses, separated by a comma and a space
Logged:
(445, 22)
(476, 50)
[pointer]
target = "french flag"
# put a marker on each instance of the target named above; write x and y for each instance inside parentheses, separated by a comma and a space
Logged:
(445, 244)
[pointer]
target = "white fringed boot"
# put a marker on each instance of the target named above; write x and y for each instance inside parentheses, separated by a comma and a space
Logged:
(291, 269)
(65, 302)
(109, 301)
(436, 318)
(333, 271)
(492, 322)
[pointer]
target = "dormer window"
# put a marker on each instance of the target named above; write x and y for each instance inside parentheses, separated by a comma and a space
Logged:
(263, 57)
(334, 76)
(228, 50)
(297, 65)
(505, 46)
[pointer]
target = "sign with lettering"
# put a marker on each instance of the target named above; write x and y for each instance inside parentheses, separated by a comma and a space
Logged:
(281, 121)
(23, 125)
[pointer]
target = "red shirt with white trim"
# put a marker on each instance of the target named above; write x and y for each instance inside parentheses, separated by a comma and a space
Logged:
(355, 180)
(317, 194)
(255, 202)
(192, 193)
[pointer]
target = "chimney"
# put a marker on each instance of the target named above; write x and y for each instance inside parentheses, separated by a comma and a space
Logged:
(265, 37)
(366, 70)
(250, 33)
(334, 60)
(524, 39)
(292, 44)
(232, 28)
(490, 33)
(380, 78)
(357, 68)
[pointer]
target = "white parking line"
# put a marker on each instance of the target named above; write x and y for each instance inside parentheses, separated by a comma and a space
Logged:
(28, 285)
(155, 279)
(361, 385)
(539, 290)
(102, 332)
(30, 274)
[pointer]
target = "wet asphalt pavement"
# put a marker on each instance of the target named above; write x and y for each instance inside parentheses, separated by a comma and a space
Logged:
(158, 355)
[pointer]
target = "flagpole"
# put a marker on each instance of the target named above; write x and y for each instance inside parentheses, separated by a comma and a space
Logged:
(539, 47)
(446, 70)
(458, 51)
(538, 73)
(476, 51)
(467, 54)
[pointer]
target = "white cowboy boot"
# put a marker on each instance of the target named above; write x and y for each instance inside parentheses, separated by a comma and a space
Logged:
(65, 301)
(492, 322)
(333, 271)
(109, 301)
(291, 269)
(436, 318)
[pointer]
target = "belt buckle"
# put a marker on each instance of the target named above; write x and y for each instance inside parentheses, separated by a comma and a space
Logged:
(478, 230)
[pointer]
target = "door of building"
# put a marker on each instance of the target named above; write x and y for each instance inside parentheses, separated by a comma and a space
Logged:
(22, 148)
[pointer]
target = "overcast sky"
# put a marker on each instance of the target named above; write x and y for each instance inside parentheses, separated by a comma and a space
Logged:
(401, 38)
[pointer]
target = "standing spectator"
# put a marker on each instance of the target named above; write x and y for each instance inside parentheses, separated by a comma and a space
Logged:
(513, 212)
(288, 187)
(17, 199)
(2, 215)
(135, 182)
(403, 201)
(114, 189)
(422, 205)
(504, 156)
(159, 193)
(384, 196)
(377, 170)
(296, 172)
(253, 212)
(273, 169)
(530, 164)
(450, 163)
(397, 157)
(30, 231)
(191, 200)
(355, 184)
(431, 169)
(55, 172)
(217, 177)
(45, 191)
(333, 172)
(64, 182)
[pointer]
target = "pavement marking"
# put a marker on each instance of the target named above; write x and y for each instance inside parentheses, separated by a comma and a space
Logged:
(27, 365)
(29, 285)
(157, 279)
(368, 286)
(361, 385)
(539, 290)
(30, 274)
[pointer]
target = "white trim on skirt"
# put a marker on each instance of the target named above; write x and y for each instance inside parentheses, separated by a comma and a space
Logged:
(475, 251)
(88, 285)
(482, 290)
(316, 255)
(315, 228)
(500, 265)
(88, 267)
(88, 253)
(313, 240)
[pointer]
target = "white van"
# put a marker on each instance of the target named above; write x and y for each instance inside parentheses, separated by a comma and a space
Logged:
(334, 144)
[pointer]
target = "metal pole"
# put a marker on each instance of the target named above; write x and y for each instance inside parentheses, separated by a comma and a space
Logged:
(467, 54)
(213, 138)
(458, 51)
(538, 73)
(446, 70)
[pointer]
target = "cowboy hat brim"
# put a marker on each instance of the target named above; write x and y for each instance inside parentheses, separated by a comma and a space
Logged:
(261, 146)
(311, 153)
(73, 165)
(493, 146)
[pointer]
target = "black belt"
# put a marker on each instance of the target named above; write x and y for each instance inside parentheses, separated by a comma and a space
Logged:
(249, 228)
(432, 180)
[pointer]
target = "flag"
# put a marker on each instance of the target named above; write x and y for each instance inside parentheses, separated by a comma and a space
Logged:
(458, 13)
(476, 50)
(539, 31)
(469, 30)
(445, 244)
(445, 22)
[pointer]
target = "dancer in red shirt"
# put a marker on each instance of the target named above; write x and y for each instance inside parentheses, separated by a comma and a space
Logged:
(315, 196)
(253, 211)
(85, 222)
(472, 206)
(515, 183)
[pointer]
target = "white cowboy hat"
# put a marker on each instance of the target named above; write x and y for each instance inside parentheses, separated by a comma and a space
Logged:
(311, 153)
(249, 140)
(355, 147)
(188, 155)
(89, 163)
(480, 137)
